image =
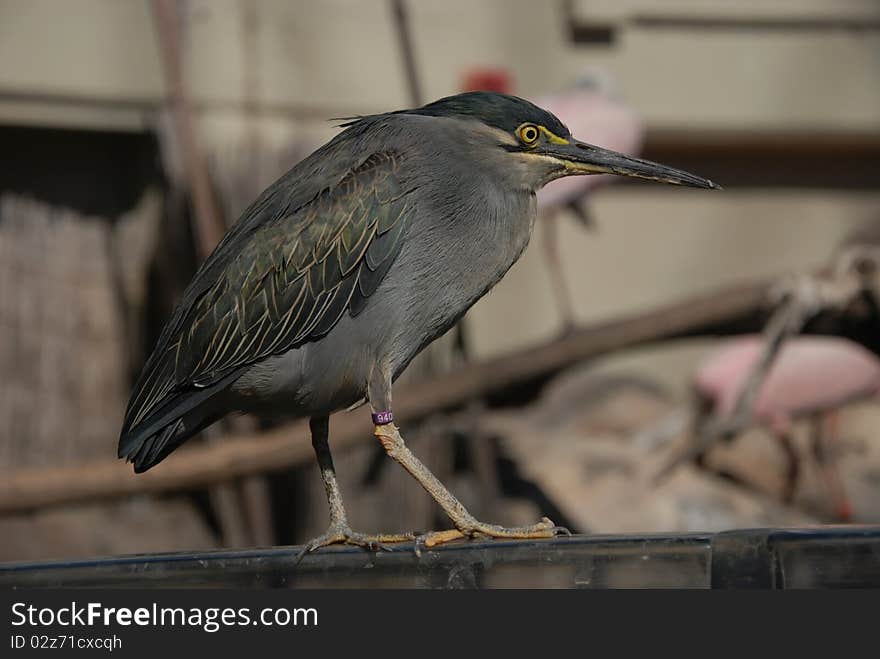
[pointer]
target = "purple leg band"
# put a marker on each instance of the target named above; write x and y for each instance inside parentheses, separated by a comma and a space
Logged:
(382, 418)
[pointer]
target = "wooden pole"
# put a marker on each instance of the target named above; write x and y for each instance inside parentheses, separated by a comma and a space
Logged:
(407, 52)
(208, 223)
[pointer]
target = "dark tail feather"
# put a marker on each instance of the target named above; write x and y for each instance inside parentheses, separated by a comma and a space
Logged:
(151, 450)
(155, 447)
(150, 442)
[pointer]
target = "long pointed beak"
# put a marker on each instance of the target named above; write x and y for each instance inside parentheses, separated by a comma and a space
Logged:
(582, 158)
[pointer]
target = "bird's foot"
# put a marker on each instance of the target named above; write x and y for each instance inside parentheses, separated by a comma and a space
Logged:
(340, 533)
(475, 529)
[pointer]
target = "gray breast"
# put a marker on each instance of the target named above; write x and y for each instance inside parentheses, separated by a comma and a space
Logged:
(456, 255)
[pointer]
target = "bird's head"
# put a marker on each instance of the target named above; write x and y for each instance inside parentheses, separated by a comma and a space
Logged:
(539, 145)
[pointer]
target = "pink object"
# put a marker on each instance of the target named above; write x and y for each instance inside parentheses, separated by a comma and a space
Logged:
(809, 375)
(489, 80)
(595, 116)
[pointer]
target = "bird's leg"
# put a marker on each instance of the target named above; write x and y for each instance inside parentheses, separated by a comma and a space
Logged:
(558, 282)
(339, 531)
(824, 431)
(466, 525)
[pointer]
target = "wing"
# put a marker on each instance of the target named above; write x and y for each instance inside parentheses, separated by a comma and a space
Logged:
(290, 282)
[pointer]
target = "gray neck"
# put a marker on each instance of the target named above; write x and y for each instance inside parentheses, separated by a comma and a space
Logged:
(474, 221)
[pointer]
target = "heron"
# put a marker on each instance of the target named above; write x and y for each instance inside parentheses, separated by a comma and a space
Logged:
(346, 267)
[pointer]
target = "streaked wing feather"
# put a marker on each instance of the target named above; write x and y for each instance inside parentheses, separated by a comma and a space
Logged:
(290, 283)
(384, 247)
(333, 312)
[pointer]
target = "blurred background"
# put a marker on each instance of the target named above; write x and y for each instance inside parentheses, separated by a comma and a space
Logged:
(134, 131)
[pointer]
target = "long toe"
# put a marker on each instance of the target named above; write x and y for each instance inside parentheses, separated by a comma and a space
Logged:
(343, 535)
(543, 529)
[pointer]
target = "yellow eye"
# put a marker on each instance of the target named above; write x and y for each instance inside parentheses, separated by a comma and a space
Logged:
(528, 133)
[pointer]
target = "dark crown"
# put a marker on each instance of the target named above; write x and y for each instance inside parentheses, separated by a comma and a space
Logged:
(496, 110)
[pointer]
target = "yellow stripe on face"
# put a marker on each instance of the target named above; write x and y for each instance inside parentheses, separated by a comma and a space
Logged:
(552, 137)
(587, 168)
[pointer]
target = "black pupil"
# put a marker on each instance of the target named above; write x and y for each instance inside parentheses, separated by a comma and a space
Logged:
(530, 134)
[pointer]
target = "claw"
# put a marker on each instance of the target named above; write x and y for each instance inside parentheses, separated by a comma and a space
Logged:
(307, 549)
(377, 546)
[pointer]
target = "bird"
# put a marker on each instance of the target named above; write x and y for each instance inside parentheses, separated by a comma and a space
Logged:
(812, 377)
(346, 267)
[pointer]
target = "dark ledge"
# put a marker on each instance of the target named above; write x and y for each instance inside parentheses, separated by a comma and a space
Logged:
(821, 557)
